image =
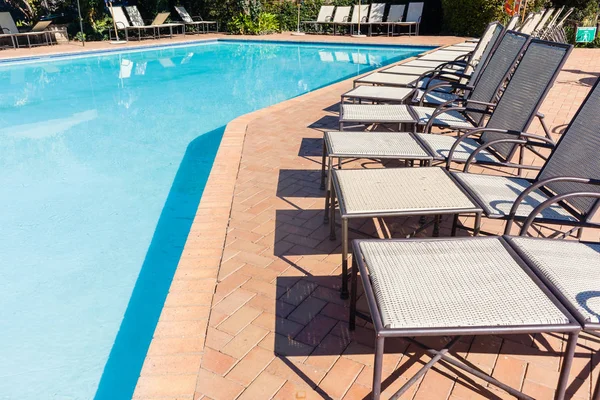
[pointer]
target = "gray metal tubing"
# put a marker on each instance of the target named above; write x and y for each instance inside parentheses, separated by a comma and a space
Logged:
(437, 357)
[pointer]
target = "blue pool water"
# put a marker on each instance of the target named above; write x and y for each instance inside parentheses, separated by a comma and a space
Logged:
(103, 160)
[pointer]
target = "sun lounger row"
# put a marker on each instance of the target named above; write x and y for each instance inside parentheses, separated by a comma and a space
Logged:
(482, 97)
(545, 24)
(370, 16)
(10, 34)
(137, 24)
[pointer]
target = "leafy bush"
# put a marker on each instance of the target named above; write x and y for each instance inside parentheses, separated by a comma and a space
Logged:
(263, 23)
(470, 17)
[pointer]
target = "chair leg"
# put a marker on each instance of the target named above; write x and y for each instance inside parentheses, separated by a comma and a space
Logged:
(353, 294)
(328, 190)
(344, 292)
(454, 225)
(597, 391)
(378, 367)
(563, 380)
(477, 227)
(323, 159)
(332, 214)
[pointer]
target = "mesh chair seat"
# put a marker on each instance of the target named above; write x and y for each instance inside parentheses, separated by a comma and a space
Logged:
(398, 191)
(435, 97)
(497, 194)
(440, 145)
(454, 283)
(375, 144)
(442, 56)
(452, 119)
(380, 93)
(381, 113)
(382, 78)
(571, 267)
(429, 64)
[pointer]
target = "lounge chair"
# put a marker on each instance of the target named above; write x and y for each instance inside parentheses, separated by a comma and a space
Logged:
(376, 13)
(512, 23)
(198, 22)
(38, 30)
(157, 24)
(395, 16)
(531, 23)
(453, 288)
(325, 16)
(122, 24)
(360, 14)
(537, 69)
(5, 34)
(467, 75)
(571, 271)
(340, 16)
(571, 174)
(413, 18)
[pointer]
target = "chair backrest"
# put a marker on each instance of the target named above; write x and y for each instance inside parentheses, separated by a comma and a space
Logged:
(376, 12)
(185, 16)
(565, 16)
(525, 22)
(160, 18)
(341, 14)
(360, 13)
(552, 22)
(326, 14)
(576, 153)
(396, 13)
(540, 26)
(119, 17)
(531, 23)
(512, 23)
(484, 47)
(528, 86)
(415, 11)
(495, 72)
(41, 26)
(6, 21)
(135, 16)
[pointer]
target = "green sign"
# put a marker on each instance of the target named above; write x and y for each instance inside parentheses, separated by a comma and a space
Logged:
(585, 35)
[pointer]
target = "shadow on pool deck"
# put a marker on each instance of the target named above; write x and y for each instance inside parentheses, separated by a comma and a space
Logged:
(127, 355)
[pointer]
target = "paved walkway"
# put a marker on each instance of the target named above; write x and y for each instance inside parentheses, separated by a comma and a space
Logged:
(262, 318)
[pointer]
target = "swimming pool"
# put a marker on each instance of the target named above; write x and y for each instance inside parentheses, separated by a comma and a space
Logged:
(103, 160)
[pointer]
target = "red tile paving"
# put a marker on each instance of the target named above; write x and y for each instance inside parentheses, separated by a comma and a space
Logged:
(254, 312)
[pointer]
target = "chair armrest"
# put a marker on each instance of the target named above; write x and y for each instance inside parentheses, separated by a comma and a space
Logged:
(482, 103)
(549, 202)
(554, 200)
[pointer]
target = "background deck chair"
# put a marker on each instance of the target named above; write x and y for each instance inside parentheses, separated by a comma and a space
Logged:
(413, 18)
(376, 13)
(360, 13)
(38, 30)
(541, 25)
(157, 24)
(325, 17)
(552, 23)
(395, 15)
(558, 33)
(571, 174)
(453, 287)
(198, 22)
(340, 16)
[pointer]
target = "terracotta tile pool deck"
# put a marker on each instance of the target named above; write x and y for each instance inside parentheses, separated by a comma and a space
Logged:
(254, 310)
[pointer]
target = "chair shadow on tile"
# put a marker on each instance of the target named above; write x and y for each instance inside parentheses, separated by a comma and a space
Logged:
(327, 122)
(311, 332)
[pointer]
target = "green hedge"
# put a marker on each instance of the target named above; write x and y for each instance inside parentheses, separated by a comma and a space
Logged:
(470, 17)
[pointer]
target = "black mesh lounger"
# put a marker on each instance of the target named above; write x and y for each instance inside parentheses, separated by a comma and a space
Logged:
(453, 287)
(450, 70)
(482, 95)
(567, 188)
